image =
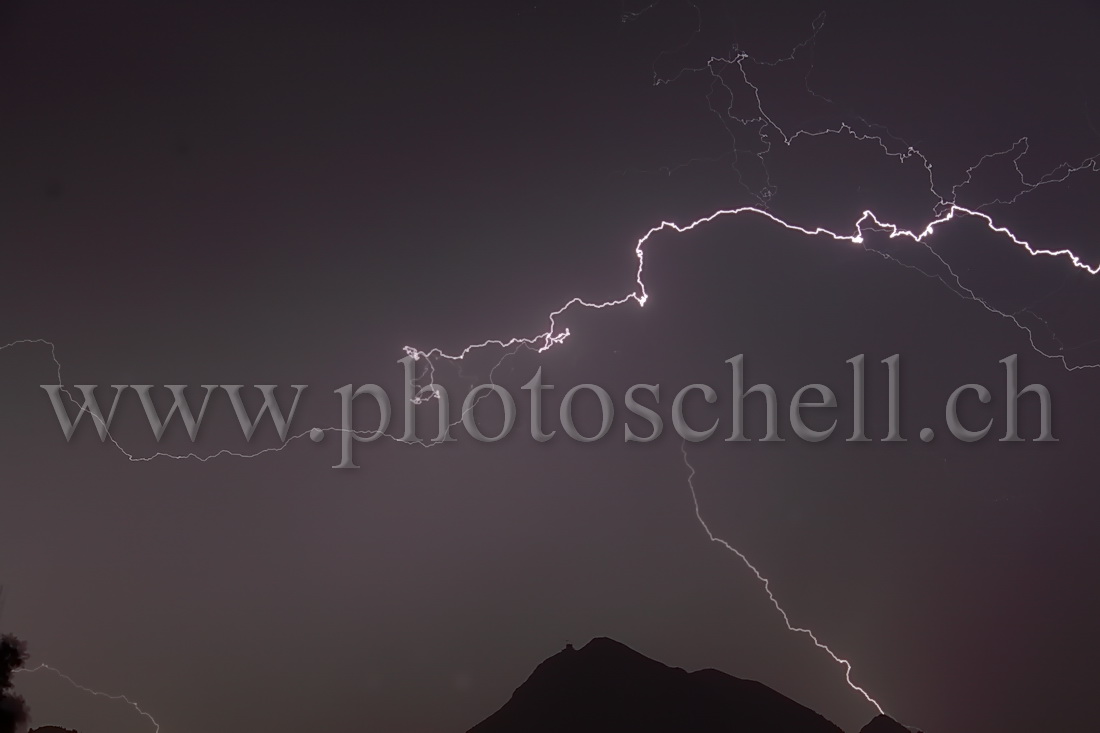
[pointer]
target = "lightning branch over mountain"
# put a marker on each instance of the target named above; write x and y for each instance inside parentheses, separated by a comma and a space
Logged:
(767, 586)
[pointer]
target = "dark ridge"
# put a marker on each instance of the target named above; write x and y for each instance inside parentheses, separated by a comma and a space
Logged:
(607, 687)
(884, 724)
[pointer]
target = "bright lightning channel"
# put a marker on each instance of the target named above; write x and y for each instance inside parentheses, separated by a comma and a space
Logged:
(768, 589)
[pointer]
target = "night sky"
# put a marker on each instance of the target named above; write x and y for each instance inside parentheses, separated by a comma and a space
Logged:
(246, 193)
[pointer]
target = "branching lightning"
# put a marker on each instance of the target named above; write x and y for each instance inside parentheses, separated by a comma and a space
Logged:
(762, 125)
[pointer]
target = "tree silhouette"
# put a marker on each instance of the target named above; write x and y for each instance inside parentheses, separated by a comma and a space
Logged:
(13, 710)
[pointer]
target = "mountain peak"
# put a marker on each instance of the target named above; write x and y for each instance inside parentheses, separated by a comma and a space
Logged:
(606, 686)
(884, 724)
(604, 651)
(604, 643)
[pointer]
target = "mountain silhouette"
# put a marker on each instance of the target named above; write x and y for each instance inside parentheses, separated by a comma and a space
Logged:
(884, 724)
(607, 687)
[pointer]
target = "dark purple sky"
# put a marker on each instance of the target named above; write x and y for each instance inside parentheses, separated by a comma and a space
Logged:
(219, 193)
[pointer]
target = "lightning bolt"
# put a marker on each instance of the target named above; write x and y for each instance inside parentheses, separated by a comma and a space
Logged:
(117, 698)
(761, 124)
(767, 586)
